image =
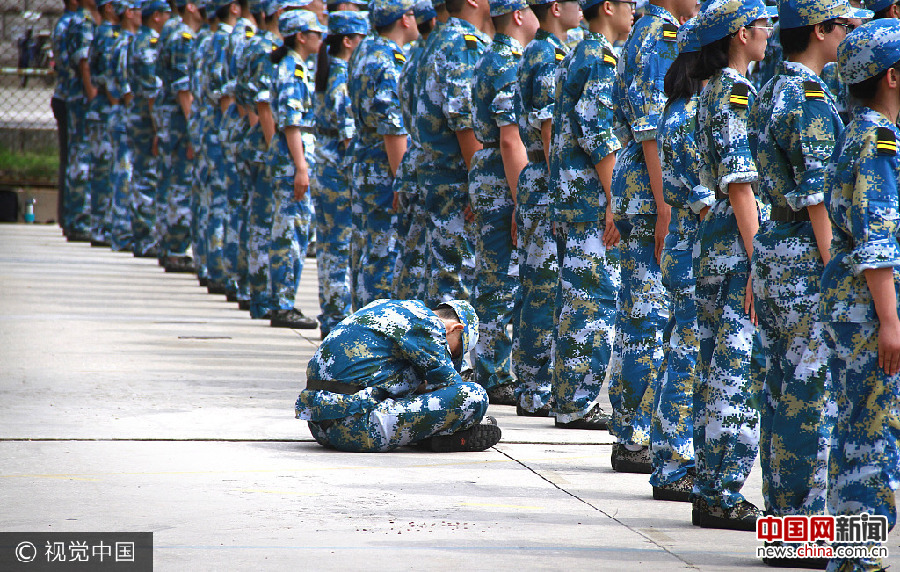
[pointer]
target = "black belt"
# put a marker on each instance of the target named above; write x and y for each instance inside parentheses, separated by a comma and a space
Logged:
(491, 144)
(333, 386)
(537, 157)
(787, 214)
(326, 132)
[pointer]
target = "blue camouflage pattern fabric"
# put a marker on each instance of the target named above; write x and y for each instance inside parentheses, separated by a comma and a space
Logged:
(202, 178)
(832, 79)
(78, 191)
(496, 296)
(672, 428)
(538, 268)
(862, 197)
(146, 86)
(444, 107)
(291, 98)
(376, 110)
(396, 352)
(643, 302)
(99, 124)
(64, 84)
(726, 418)
(793, 124)
(119, 85)
(334, 128)
(585, 306)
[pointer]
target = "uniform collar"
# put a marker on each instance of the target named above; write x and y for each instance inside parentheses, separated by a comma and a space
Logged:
(508, 41)
(226, 28)
(658, 12)
(469, 28)
(597, 37)
(546, 36)
(798, 69)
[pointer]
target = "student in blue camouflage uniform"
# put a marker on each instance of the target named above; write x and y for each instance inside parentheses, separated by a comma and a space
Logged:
(382, 140)
(493, 180)
(884, 8)
(793, 125)
(582, 156)
(288, 166)
(334, 130)
(146, 86)
(81, 90)
(176, 64)
(61, 93)
(642, 218)
(411, 264)
(119, 87)
(859, 301)
(726, 419)
(400, 386)
(538, 268)
(260, 76)
(444, 125)
(204, 139)
(99, 118)
(672, 427)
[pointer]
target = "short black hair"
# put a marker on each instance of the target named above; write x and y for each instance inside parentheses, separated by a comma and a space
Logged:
(867, 89)
(541, 11)
(713, 57)
(222, 13)
(454, 6)
(502, 21)
(883, 13)
(426, 27)
(446, 312)
(592, 13)
(796, 40)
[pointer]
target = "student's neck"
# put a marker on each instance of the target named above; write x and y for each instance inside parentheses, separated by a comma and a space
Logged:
(555, 27)
(473, 16)
(395, 35)
(664, 4)
(886, 103)
(739, 62)
(810, 59)
(602, 26)
(514, 32)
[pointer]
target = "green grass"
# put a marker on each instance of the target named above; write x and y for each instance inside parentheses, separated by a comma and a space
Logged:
(18, 166)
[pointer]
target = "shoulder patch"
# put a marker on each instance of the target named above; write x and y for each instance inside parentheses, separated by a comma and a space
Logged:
(154, 40)
(249, 33)
(400, 57)
(670, 32)
(298, 72)
(740, 93)
(187, 36)
(813, 90)
(516, 53)
(560, 55)
(887, 142)
(471, 41)
(274, 47)
(609, 57)
(115, 34)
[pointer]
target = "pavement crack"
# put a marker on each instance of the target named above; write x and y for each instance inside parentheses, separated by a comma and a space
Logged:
(596, 508)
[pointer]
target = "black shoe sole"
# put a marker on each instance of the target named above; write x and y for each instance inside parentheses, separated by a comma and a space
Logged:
(542, 412)
(231, 297)
(582, 424)
(99, 244)
(660, 493)
(180, 269)
(215, 289)
(632, 467)
(244, 305)
(478, 438)
(704, 520)
(293, 325)
(203, 282)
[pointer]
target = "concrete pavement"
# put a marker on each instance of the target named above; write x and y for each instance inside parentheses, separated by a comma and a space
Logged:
(132, 400)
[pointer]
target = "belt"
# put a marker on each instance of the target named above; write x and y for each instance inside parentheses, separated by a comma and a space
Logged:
(326, 132)
(333, 386)
(787, 214)
(537, 157)
(491, 144)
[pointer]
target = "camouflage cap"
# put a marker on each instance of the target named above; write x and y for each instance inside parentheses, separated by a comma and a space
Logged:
(100, 3)
(154, 6)
(469, 319)
(310, 23)
(721, 18)
(539, 2)
(869, 50)
(272, 6)
(297, 21)
(424, 11)
(217, 5)
(688, 40)
(876, 5)
(799, 13)
(347, 22)
(386, 12)
(501, 7)
(437, 3)
(120, 6)
(585, 4)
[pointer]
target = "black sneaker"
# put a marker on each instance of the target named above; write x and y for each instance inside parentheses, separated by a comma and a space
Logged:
(76, 236)
(478, 438)
(244, 305)
(542, 412)
(292, 318)
(231, 297)
(625, 461)
(678, 491)
(152, 253)
(741, 516)
(203, 282)
(215, 287)
(179, 264)
(99, 243)
(502, 394)
(596, 419)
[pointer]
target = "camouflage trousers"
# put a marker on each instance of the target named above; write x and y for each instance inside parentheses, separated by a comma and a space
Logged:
(357, 242)
(332, 198)
(538, 275)
(144, 178)
(121, 233)
(290, 238)
(374, 191)
(217, 213)
(261, 207)
(796, 408)
(178, 170)
(864, 461)
(584, 317)
(78, 170)
(199, 194)
(451, 245)
(398, 422)
(99, 128)
(235, 205)
(411, 266)
(496, 297)
(246, 176)
(726, 390)
(672, 423)
(163, 115)
(643, 312)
